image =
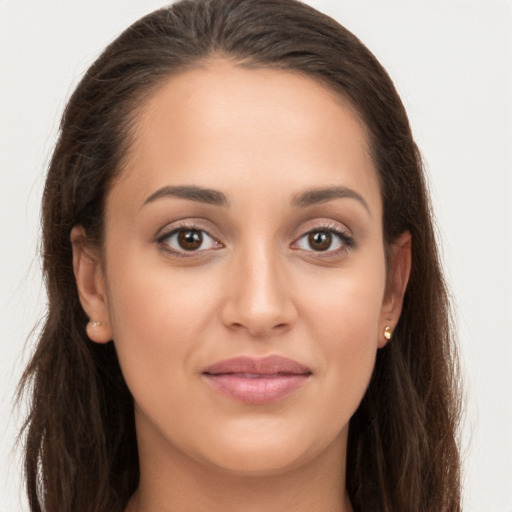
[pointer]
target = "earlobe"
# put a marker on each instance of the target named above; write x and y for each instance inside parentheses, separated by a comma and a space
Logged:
(90, 284)
(398, 277)
(98, 332)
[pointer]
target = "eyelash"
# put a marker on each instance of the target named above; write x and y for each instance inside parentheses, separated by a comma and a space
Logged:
(174, 231)
(347, 241)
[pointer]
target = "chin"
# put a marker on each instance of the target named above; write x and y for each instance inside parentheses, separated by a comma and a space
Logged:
(256, 461)
(264, 451)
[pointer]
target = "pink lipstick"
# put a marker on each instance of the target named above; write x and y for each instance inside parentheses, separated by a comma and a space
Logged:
(257, 381)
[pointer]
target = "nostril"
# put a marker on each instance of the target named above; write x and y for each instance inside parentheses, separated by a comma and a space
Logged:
(259, 314)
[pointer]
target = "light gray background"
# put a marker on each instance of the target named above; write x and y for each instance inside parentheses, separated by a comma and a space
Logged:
(451, 62)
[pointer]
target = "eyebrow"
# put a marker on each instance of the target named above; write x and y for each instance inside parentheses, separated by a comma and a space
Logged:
(191, 193)
(216, 198)
(323, 195)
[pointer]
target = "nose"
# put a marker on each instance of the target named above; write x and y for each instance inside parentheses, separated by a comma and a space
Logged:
(259, 297)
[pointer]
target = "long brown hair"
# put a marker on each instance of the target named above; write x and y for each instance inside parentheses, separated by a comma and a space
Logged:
(80, 442)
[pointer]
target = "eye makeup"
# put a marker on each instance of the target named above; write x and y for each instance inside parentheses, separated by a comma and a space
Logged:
(188, 239)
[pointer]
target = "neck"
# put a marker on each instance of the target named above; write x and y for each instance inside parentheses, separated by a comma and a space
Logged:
(170, 481)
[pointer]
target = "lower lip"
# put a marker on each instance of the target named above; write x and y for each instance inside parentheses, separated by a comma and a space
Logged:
(259, 390)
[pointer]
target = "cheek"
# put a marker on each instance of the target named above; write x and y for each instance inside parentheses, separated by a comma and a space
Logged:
(342, 315)
(345, 304)
(157, 319)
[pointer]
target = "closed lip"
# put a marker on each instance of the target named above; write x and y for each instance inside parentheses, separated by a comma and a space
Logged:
(257, 381)
(270, 365)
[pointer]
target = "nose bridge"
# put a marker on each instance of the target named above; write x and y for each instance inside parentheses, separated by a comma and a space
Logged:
(259, 298)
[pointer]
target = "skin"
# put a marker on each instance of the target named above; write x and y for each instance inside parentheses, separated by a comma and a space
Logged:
(257, 287)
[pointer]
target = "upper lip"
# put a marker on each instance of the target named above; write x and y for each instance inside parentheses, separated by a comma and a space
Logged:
(260, 366)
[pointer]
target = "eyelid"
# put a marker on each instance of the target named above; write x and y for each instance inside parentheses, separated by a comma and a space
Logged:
(347, 239)
(341, 232)
(184, 225)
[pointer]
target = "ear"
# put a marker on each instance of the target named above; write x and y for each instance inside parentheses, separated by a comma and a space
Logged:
(398, 277)
(90, 282)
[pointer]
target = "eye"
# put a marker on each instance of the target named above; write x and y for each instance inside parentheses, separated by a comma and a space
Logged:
(188, 240)
(324, 240)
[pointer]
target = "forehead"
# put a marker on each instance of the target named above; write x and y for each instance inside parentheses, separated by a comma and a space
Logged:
(223, 126)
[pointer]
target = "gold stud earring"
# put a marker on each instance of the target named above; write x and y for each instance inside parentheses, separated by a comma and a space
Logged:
(94, 324)
(388, 332)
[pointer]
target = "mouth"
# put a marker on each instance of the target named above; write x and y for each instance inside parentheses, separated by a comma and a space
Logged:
(257, 381)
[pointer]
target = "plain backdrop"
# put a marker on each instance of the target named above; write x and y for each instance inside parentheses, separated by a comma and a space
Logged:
(452, 64)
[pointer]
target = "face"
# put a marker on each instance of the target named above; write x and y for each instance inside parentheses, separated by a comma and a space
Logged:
(247, 222)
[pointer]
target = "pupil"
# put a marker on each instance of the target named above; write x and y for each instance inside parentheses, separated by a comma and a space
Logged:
(190, 240)
(320, 241)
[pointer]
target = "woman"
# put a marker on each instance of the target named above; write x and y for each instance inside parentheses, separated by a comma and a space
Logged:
(246, 309)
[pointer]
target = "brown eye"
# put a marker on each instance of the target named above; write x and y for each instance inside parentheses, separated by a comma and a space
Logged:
(190, 239)
(331, 241)
(320, 240)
